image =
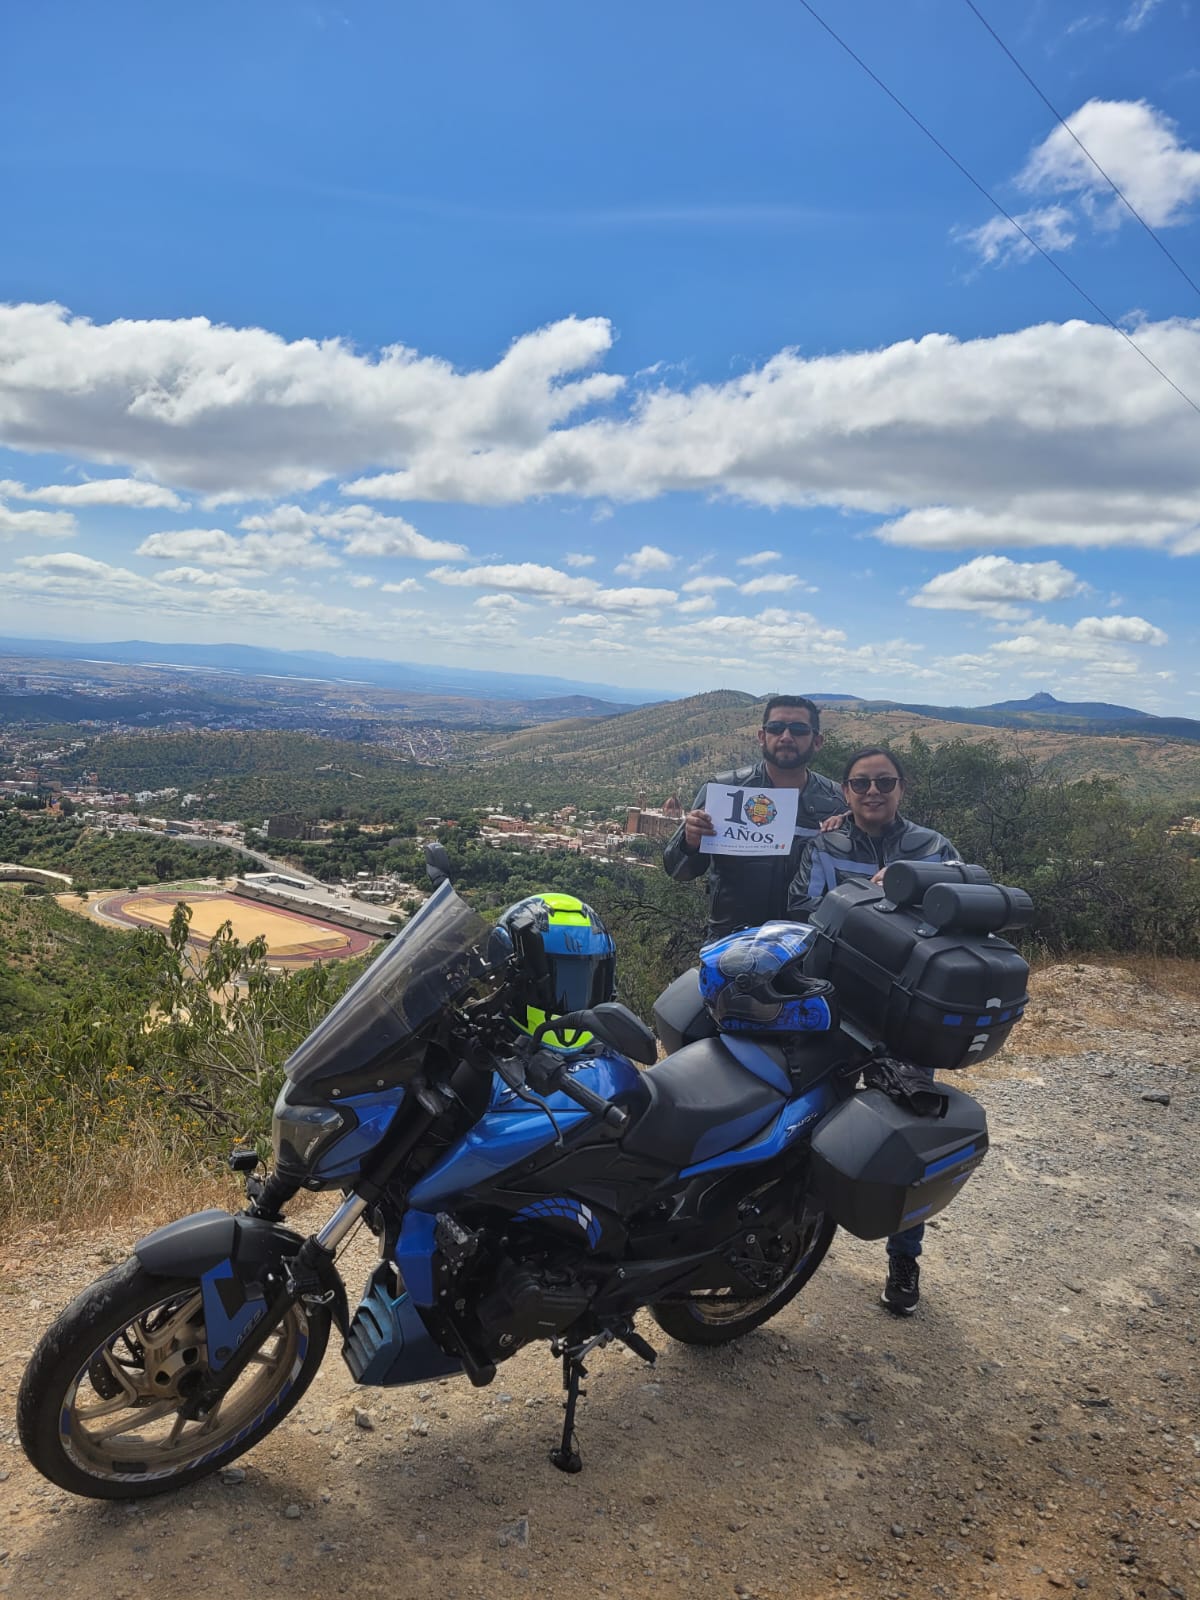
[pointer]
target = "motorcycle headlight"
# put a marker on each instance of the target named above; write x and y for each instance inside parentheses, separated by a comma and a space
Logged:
(300, 1133)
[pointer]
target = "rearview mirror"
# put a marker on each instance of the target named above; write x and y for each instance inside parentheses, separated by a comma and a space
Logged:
(618, 1026)
(437, 864)
(609, 1022)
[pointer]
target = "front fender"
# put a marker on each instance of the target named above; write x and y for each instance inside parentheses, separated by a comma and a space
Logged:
(230, 1255)
(194, 1245)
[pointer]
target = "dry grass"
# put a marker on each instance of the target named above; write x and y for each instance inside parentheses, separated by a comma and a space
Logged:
(1169, 976)
(1071, 1002)
(148, 1173)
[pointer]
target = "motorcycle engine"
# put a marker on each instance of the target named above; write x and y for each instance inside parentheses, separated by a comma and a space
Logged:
(529, 1300)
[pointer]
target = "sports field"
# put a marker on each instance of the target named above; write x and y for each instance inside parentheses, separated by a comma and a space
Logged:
(291, 936)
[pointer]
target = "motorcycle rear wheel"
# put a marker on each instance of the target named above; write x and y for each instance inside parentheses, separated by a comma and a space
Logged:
(100, 1409)
(708, 1317)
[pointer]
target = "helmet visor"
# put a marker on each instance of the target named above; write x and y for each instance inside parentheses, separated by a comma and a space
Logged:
(581, 981)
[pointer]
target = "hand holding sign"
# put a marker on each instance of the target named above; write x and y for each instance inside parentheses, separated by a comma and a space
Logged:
(749, 821)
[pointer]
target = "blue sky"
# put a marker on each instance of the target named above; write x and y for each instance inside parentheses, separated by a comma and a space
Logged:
(649, 345)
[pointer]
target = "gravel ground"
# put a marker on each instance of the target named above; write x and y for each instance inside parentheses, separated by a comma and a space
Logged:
(1033, 1430)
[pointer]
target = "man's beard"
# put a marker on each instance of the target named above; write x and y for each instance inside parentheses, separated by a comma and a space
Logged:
(785, 760)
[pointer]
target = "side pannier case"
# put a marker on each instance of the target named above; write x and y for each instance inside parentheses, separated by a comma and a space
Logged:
(878, 1168)
(942, 996)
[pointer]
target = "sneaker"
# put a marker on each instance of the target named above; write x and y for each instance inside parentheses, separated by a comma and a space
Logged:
(902, 1289)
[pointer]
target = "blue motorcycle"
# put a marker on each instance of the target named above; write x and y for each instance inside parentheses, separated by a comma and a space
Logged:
(519, 1191)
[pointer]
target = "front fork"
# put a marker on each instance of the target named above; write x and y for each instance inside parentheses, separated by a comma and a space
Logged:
(308, 1276)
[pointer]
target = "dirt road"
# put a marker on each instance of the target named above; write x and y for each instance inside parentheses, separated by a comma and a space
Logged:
(1034, 1430)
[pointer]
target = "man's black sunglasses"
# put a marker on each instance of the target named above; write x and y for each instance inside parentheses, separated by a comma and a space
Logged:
(796, 729)
(885, 785)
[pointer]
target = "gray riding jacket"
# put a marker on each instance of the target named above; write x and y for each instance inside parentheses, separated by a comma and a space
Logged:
(846, 852)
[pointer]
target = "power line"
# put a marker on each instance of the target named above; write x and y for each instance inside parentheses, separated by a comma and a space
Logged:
(991, 199)
(1123, 198)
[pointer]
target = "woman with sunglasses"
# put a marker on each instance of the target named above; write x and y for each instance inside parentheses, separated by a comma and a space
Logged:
(870, 838)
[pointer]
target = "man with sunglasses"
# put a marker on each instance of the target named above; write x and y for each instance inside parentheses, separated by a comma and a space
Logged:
(746, 891)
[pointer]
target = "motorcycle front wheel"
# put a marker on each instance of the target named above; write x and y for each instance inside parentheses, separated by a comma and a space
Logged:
(101, 1406)
(718, 1317)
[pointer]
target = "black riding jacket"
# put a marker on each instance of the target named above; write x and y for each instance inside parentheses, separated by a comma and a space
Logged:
(847, 852)
(746, 891)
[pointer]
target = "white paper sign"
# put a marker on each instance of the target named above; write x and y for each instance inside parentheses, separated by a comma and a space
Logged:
(750, 821)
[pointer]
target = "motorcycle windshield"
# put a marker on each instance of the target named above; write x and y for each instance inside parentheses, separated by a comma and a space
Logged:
(430, 963)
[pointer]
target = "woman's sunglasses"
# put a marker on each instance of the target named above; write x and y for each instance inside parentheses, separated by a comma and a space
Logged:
(885, 785)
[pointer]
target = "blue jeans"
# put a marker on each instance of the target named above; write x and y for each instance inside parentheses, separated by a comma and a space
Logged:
(907, 1243)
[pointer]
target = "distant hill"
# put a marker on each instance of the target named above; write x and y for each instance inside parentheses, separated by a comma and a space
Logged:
(654, 750)
(251, 661)
(39, 690)
(1046, 703)
(673, 747)
(1044, 711)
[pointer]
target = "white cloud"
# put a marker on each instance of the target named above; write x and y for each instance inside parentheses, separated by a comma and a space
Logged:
(1051, 410)
(194, 577)
(770, 583)
(997, 587)
(131, 492)
(742, 643)
(699, 602)
(1050, 428)
(360, 580)
(648, 559)
(223, 410)
(1131, 630)
(553, 587)
(632, 599)
(575, 558)
(707, 585)
(1094, 644)
(405, 586)
(255, 552)
(1137, 146)
(999, 240)
(1138, 15)
(366, 531)
(522, 577)
(588, 619)
(36, 524)
(1087, 519)
(760, 558)
(68, 578)
(501, 602)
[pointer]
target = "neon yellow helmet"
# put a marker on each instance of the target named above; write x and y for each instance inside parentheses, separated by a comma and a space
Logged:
(580, 956)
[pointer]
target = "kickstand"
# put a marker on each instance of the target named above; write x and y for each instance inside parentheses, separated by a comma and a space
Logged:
(567, 1458)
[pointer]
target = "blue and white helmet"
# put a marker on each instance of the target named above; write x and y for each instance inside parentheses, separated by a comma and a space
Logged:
(753, 982)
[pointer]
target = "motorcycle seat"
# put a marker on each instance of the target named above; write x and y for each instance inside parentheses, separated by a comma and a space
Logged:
(702, 1102)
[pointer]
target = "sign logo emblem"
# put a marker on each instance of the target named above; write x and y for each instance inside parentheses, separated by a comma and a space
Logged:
(760, 811)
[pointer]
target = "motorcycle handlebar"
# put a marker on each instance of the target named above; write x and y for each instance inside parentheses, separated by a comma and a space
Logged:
(613, 1115)
(543, 1073)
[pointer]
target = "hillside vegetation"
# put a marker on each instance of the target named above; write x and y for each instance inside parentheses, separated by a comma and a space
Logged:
(673, 747)
(50, 958)
(97, 860)
(1157, 768)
